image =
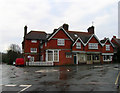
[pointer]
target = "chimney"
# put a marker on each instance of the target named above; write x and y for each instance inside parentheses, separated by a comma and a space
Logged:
(91, 30)
(55, 30)
(114, 36)
(66, 26)
(25, 31)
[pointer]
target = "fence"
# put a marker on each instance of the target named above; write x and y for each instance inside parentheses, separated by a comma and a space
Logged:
(39, 63)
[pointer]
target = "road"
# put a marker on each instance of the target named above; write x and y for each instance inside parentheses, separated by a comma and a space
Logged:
(63, 78)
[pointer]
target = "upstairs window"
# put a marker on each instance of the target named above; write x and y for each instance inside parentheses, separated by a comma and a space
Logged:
(107, 47)
(93, 45)
(60, 42)
(33, 50)
(33, 41)
(78, 45)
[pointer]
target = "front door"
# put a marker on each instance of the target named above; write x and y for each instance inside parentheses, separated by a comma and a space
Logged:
(75, 59)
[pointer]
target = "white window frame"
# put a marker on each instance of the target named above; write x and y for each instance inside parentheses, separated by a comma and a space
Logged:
(45, 44)
(68, 56)
(107, 47)
(93, 45)
(78, 45)
(53, 60)
(60, 42)
(105, 58)
(33, 51)
(33, 41)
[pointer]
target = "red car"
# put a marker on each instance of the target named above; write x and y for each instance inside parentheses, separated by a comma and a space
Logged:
(19, 62)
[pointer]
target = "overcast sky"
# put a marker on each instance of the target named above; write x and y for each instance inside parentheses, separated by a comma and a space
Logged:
(45, 15)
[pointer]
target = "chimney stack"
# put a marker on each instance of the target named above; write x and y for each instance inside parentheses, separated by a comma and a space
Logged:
(114, 36)
(66, 27)
(91, 30)
(25, 31)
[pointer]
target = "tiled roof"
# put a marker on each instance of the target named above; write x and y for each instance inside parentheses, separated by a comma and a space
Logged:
(104, 40)
(84, 36)
(36, 35)
(118, 41)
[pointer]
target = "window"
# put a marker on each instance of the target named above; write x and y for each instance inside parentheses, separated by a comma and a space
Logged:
(33, 50)
(55, 55)
(88, 57)
(33, 41)
(95, 57)
(107, 47)
(52, 55)
(107, 58)
(78, 45)
(93, 45)
(45, 43)
(68, 56)
(61, 42)
(41, 58)
(41, 46)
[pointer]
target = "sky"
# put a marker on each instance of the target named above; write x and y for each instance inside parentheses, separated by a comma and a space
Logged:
(46, 15)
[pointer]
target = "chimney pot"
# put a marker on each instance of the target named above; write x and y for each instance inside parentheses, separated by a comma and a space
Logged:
(25, 31)
(91, 30)
(66, 26)
(114, 36)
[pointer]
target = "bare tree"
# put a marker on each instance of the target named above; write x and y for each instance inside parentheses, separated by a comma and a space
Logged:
(15, 48)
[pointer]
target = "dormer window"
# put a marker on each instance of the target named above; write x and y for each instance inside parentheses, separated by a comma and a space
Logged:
(33, 41)
(107, 47)
(60, 42)
(78, 45)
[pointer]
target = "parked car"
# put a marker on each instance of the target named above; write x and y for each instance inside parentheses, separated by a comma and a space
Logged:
(19, 62)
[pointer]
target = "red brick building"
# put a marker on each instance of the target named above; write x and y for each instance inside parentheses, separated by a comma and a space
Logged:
(116, 43)
(66, 47)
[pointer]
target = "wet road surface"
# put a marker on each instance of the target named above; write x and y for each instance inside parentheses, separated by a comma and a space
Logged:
(64, 78)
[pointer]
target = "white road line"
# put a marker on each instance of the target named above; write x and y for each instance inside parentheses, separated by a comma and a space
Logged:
(116, 82)
(26, 87)
(10, 85)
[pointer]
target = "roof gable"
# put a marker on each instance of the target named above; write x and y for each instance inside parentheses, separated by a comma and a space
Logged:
(54, 33)
(84, 36)
(77, 40)
(93, 35)
(109, 42)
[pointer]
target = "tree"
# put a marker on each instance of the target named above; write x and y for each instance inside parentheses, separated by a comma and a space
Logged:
(11, 55)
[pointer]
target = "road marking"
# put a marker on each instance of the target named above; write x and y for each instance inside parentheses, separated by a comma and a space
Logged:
(10, 85)
(116, 82)
(26, 87)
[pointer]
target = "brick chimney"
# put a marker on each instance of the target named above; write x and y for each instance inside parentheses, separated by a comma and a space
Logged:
(91, 30)
(25, 31)
(114, 36)
(66, 27)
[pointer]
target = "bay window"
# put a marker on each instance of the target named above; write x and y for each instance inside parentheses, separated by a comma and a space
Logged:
(52, 55)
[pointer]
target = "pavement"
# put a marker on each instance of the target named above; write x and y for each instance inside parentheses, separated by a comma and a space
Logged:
(88, 78)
